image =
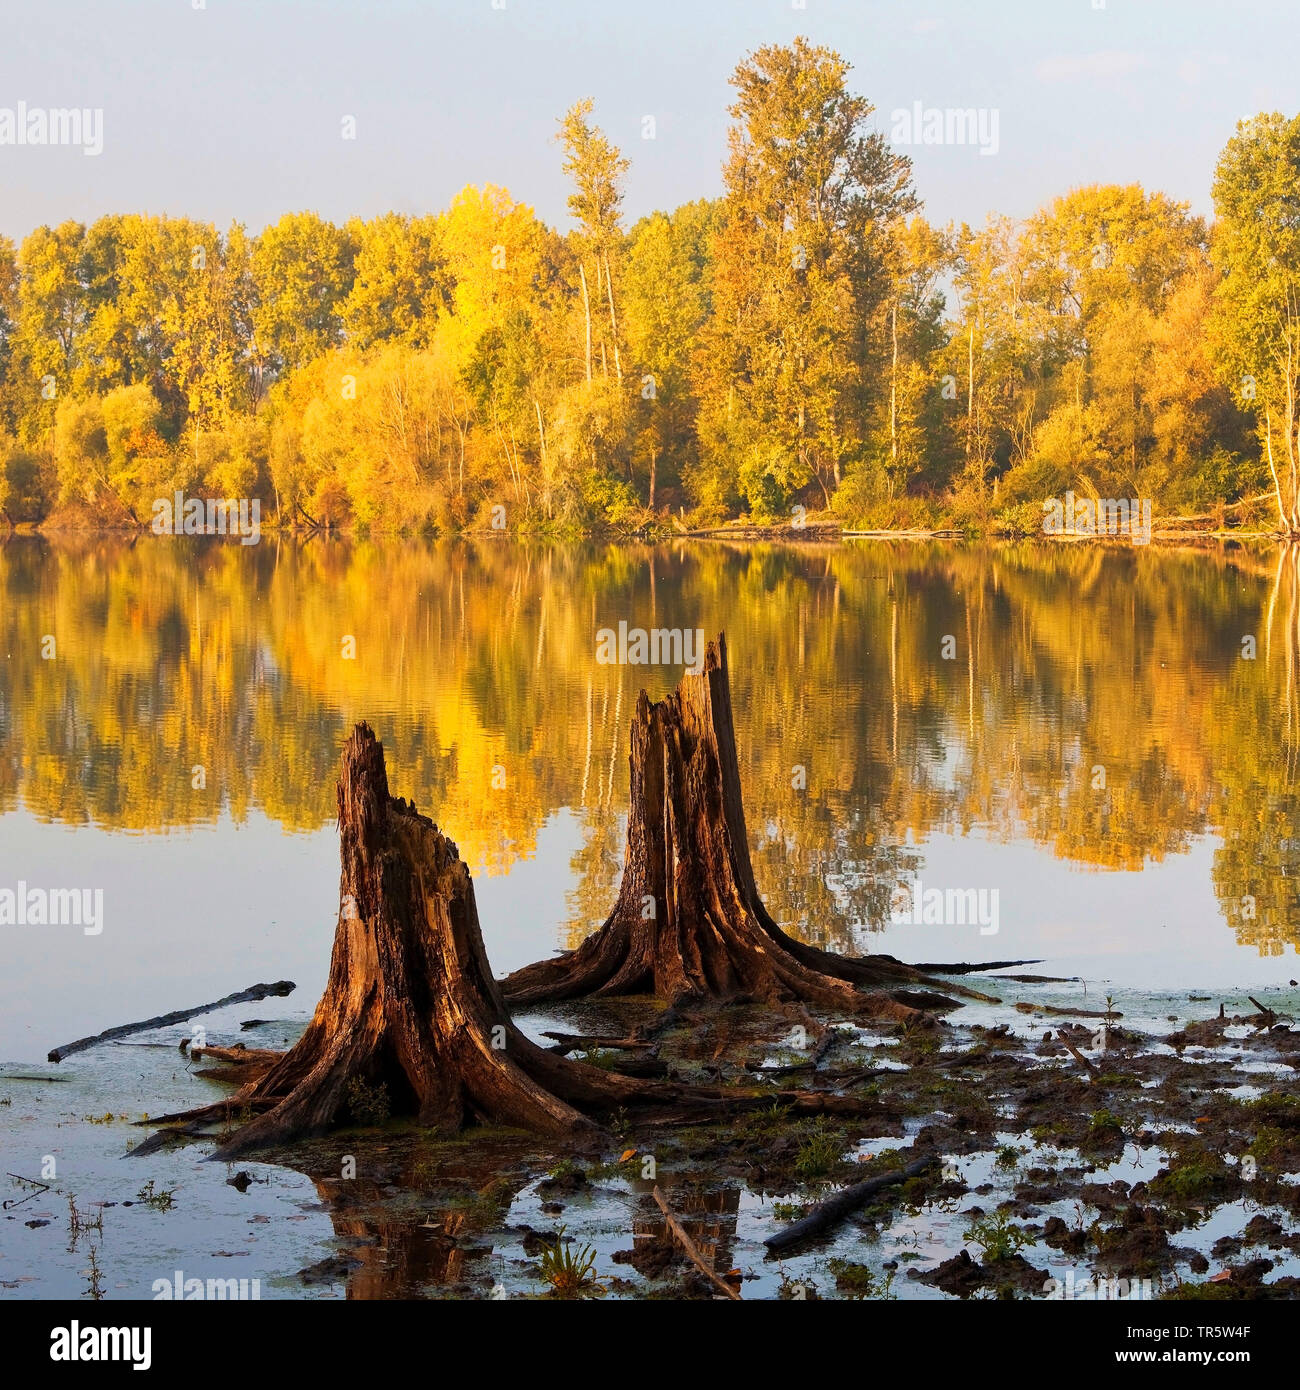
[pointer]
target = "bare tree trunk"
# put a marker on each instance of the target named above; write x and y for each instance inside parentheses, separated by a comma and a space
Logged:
(893, 391)
(689, 921)
(970, 388)
(613, 321)
(586, 310)
(1291, 445)
(1272, 468)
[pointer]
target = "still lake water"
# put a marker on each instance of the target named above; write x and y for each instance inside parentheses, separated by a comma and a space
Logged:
(1083, 729)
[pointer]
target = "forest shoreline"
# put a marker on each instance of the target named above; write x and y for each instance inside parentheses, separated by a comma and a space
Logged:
(812, 533)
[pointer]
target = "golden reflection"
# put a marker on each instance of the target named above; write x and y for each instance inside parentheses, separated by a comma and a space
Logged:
(1103, 702)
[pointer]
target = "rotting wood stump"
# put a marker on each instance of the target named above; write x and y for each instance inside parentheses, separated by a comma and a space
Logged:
(411, 1005)
(689, 921)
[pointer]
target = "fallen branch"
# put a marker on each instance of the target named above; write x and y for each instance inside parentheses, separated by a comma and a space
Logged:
(1077, 1055)
(692, 1251)
(30, 1182)
(1041, 979)
(968, 967)
(1068, 1013)
(245, 996)
(238, 1056)
(834, 1209)
(1269, 1016)
(574, 1040)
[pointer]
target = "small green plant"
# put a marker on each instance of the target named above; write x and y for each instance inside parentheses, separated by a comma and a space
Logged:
(79, 1222)
(367, 1104)
(820, 1151)
(629, 1167)
(1269, 1142)
(95, 1288)
(763, 1121)
(1009, 1156)
(159, 1199)
(998, 1237)
(484, 1209)
(424, 1173)
(857, 1281)
(570, 1272)
(604, 1057)
(1192, 1176)
(1276, 1109)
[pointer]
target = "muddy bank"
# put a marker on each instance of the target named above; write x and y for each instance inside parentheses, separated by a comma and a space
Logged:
(1074, 1159)
(1164, 1164)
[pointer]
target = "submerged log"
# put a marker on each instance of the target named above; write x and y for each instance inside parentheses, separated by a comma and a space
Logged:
(411, 1006)
(843, 1203)
(689, 921)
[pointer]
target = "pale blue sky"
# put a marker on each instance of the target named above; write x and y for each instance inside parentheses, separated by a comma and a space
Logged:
(234, 111)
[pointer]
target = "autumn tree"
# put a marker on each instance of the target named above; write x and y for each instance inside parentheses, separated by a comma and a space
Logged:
(1257, 249)
(597, 169)
(811, 195)
(666, 299)
(303, 269)
(51, 316)
(8, 322)
(401, 287)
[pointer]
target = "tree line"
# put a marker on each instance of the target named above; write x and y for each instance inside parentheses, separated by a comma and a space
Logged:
(808, 339)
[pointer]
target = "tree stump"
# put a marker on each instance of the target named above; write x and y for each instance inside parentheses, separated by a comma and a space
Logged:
(689, 921)
(411, 1005)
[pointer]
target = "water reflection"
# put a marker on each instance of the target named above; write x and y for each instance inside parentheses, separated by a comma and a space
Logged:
(1104, 705)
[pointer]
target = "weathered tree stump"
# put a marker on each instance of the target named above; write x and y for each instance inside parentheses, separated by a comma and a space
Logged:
(689, 921)
(411, 1005)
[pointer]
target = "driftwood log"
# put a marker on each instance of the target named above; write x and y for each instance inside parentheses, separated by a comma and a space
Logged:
(845, 1202)
(689, 921)
(411, 1005)
(244, 996)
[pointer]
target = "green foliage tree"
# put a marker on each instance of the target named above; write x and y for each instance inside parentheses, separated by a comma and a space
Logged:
(1257, 250)
(812, 197)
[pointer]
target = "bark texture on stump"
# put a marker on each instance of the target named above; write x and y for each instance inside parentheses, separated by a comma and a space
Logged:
(411, 1003)
(689, 921)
